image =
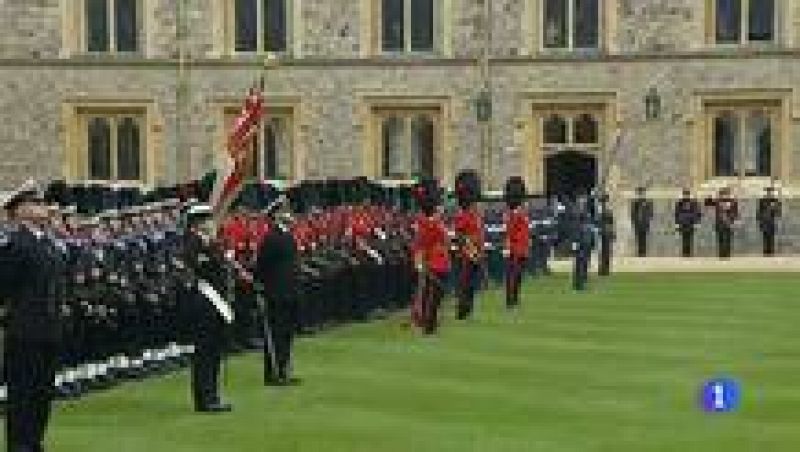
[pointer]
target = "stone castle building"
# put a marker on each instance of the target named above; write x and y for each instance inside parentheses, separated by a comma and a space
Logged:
(566, 93)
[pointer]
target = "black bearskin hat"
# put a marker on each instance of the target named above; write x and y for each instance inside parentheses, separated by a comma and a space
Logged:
(56, 192)
(467, 188)
(515, 191)
(428, 194)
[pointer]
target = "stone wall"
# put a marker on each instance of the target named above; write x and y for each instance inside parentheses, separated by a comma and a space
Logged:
(30, 29)
(33, 29)
(660, 25)
(331, 29)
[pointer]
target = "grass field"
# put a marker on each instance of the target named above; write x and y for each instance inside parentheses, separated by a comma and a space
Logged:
(614, 369)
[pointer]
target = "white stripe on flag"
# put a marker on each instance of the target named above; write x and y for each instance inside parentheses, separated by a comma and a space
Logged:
(223, 174)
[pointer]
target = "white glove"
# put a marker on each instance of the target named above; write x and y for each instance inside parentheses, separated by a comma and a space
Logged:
(574, 246)
(506, 252)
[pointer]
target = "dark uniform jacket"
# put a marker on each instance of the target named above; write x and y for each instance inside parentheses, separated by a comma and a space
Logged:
(687, 213)
(276, 265)
(208, 264)
(769, 210)
(32, 272)
(726, 212)
(642, 213)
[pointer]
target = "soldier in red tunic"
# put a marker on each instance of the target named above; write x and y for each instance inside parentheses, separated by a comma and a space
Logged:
(430, 254)
(468, 226)
(517, 244)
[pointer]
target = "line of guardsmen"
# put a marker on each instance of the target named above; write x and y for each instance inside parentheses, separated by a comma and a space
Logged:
(504, 240)
(352, 244)
(116, 286)
(353, 240)
(122, 272)
(688, 215)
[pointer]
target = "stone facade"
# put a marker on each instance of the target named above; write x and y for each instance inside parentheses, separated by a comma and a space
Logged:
(331, 71)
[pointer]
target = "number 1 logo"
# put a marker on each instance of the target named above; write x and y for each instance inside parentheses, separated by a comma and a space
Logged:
(719, 395)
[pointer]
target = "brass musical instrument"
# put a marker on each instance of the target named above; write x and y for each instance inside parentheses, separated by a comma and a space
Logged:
(471, 249)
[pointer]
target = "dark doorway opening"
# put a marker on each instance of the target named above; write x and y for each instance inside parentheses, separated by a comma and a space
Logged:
(570, 174)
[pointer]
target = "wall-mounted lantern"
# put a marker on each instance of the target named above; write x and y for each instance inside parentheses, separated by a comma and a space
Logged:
(652, 104)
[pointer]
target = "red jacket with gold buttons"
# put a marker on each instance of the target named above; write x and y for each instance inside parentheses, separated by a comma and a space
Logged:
(518, 239)
(431, 243)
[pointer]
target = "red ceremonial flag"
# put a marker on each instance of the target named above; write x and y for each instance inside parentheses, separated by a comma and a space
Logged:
(230, 178)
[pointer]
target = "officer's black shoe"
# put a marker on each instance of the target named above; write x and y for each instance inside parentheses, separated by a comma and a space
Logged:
(62, 392)
(291, 381)
(78, 389)
(218, 407)
(255, 344)
(106, 381)
(272, 381)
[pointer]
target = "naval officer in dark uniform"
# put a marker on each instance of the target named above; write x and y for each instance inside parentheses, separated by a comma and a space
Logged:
(607, 234)
(275, 271)
(726, 214)
(769, 212)
(584, 243)
(31, 269)
(687, 217)
(641, 216)
(207, 263)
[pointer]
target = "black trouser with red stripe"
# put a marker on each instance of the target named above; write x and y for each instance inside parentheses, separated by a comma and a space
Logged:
(467, 286)
(434, 292)
(514, 268)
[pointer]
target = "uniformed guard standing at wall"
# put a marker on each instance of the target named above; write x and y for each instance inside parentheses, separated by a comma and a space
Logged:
(607, 236)
(206, 260)
(726, 214)
(641, 216)
(276, 271)
(29, 279)
(769, 212)
(517, 243)
(687, 217)
(468, 226)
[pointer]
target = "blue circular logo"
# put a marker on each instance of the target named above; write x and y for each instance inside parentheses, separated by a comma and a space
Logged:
(720, 395)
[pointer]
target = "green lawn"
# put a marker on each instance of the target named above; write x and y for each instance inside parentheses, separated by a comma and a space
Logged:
(614, 369)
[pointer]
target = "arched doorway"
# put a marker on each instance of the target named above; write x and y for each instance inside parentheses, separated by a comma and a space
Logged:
(569, 174)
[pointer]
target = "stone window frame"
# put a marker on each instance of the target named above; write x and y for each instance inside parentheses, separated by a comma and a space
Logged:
(570, 114)
(783, 26)
(741, 112)
(74, 39)
(224, 35)
(226, 12)
(407, 116)
(75, 115)
(533, 107)
(532, 26)
(284, 106)
(705, 103)
(369, 112)
(372, 30)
